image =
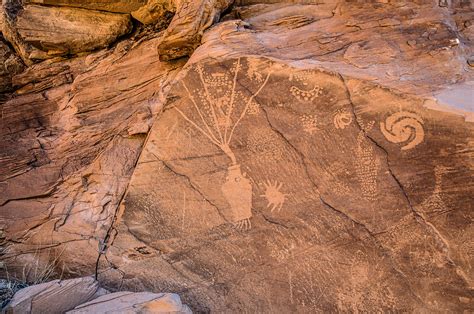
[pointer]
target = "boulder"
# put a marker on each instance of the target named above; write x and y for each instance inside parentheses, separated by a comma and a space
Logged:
(130, 302)
(39, 32)
(56, 296)
(184, 33)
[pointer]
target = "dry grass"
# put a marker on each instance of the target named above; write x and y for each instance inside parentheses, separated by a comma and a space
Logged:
(31, 274)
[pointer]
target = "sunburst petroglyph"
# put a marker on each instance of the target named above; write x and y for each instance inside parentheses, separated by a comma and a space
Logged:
(273, 195)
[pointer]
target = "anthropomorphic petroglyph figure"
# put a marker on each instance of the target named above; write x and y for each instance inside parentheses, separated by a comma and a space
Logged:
(218, 109)
(403, 127)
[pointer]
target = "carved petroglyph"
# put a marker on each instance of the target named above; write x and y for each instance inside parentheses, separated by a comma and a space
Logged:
(306, 93)
(336, 184)
(342, 118)
(216, 116)
(273, 195)
(309, 123)
(435, 202)
(237, 189)
(263, 144)
(367, 165)
(254, 108)
(403, 127)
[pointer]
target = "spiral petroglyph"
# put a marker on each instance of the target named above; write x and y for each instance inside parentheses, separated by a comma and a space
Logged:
(403, 127)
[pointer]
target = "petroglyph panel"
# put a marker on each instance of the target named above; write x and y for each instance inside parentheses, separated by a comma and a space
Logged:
(241, 193)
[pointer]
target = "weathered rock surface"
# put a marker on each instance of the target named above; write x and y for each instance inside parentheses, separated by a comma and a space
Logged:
(54, 297)
(184, 33)
(40, 32)
(69, 145)
(10, 65)
(154, 10)
(308, 158)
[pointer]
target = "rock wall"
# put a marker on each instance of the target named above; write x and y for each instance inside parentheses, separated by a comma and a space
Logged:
(306, 157)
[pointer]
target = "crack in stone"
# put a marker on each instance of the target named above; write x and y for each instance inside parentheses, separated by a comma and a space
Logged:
(191, 184)
(418, 216)
(373, 235)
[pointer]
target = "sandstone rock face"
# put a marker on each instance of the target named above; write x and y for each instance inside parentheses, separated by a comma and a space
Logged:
(257, 193)
(308, 158)
(70, 142)
(40, 32)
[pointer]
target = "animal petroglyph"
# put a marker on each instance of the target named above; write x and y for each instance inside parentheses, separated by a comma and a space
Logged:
(273, 195)
(304, 93)
(310, 123)
(342, 119)
(403, 127)
(217, 112)
(367, 165)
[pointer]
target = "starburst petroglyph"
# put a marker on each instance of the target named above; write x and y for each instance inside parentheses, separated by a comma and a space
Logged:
(217, 111)
(273, 195)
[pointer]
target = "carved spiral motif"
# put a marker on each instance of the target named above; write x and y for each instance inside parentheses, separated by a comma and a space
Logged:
(403, 127)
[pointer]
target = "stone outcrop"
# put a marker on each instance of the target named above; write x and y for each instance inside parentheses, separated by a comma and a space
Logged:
(308, 157)
(184, 33)
(83, 295)
(40, 32)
